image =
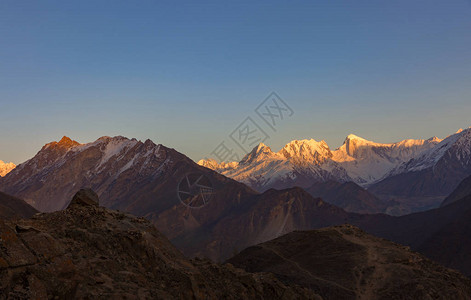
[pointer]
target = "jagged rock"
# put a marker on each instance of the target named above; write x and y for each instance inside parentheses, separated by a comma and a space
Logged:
(96, 253)
(85, 197)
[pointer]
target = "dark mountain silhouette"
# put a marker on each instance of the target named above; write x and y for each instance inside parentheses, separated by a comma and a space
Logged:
(349, 196)
(441, 234)
(463, 190)
(14, 208)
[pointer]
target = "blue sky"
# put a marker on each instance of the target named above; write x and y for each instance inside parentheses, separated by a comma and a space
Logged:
(185, 74)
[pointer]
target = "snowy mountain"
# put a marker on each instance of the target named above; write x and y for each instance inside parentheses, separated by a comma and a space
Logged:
(302, 162)
(367, 161)
(437, 171)
(115, 167)
(6, 168)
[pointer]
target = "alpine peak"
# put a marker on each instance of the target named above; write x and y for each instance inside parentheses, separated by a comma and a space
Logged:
(262, 146)
(307, 150)
(354, 137)
(65, 142)
(261, 150)
(6, 168)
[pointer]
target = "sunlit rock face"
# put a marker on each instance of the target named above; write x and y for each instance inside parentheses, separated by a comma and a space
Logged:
(6, 168)
(302, 162)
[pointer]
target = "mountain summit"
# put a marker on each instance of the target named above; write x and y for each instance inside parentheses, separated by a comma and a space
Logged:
(6, 168)
(302, 162)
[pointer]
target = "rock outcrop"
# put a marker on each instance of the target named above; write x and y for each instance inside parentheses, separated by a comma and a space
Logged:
(90, 252)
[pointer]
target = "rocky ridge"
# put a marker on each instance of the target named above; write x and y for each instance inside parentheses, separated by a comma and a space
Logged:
(346, 263)
(88, 251)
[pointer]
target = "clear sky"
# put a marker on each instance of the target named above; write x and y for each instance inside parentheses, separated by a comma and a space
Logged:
(185, 74)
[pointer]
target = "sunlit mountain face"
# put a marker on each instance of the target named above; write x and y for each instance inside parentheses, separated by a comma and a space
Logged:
(358, 160)
(6, 168)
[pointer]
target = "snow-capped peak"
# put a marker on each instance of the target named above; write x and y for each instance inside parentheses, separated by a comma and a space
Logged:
(214, 165)
(351, 137)
(6, 168)
(460, 141)
(261, 151)
(434, 140)
(307, 151)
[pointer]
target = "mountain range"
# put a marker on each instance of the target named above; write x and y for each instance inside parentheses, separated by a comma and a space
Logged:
(143, 178)
(300, 162)
(409, 176)
(139, 177)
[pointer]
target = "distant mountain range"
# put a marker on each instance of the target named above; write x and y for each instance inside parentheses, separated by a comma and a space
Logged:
(302, 162)
(6, 168)
(415, 174)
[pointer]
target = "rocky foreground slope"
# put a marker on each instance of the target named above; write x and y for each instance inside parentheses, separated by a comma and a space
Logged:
(89, 252)
(346, 263)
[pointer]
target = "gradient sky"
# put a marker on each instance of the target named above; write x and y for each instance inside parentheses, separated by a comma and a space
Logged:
(185, 74)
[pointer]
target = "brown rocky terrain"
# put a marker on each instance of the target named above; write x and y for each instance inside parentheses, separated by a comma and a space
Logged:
(14, 208)
(90, 252)
(346, 263)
